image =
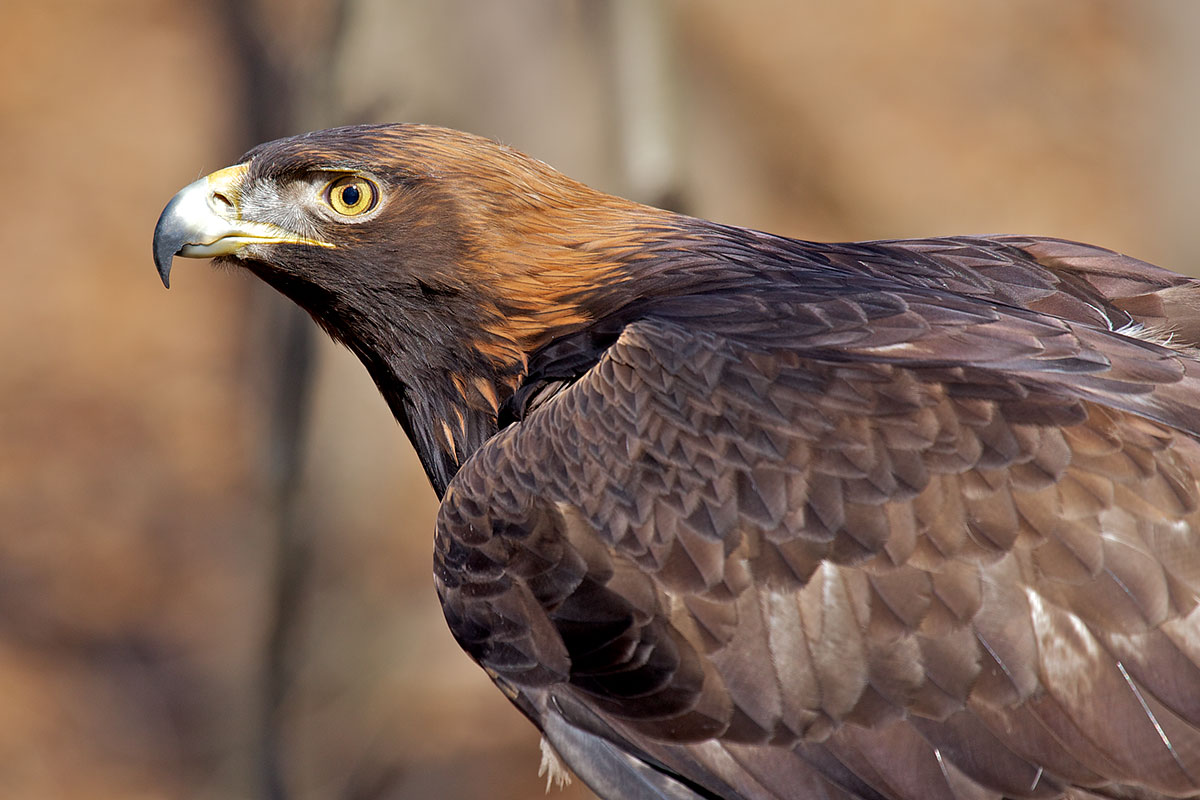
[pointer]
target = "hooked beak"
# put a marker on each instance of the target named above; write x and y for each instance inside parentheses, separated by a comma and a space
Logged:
(205, 220)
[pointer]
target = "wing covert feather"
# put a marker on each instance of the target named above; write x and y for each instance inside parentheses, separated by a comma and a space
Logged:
(840, 556)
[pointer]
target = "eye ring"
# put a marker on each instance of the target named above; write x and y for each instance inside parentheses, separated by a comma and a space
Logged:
(351, 195)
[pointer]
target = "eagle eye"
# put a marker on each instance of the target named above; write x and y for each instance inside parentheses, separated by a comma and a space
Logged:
(351, 195)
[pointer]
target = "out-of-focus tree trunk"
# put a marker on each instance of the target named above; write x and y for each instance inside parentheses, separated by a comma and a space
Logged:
(286, 53)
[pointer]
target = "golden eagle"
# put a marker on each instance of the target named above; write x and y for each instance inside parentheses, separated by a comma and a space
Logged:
(733, 515)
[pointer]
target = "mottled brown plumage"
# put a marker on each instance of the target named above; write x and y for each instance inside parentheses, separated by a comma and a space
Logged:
(733, 515)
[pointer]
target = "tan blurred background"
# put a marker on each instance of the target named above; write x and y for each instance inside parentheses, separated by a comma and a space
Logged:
(214, 541)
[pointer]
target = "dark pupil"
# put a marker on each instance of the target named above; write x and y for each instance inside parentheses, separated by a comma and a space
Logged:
(351, 195)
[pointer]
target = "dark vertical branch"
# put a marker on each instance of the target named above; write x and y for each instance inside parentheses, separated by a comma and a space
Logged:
(274, 83)
(288, 394)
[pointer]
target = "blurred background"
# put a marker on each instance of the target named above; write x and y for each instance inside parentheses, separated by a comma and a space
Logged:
(215, 543)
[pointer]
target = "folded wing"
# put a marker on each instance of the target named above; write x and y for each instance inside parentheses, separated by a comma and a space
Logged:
(932, 534)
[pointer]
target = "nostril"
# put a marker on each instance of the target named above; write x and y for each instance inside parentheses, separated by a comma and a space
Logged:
(221, 203)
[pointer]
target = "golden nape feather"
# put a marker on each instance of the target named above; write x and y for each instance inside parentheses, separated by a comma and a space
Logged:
(731, 515)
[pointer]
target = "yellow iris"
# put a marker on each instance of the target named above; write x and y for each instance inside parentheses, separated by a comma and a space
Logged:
(351, 195)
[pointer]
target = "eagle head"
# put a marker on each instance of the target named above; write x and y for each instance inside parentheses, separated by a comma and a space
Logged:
(443, 260)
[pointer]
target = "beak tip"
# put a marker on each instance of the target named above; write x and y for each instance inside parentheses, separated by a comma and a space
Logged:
(163, 261)
(169, 238)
